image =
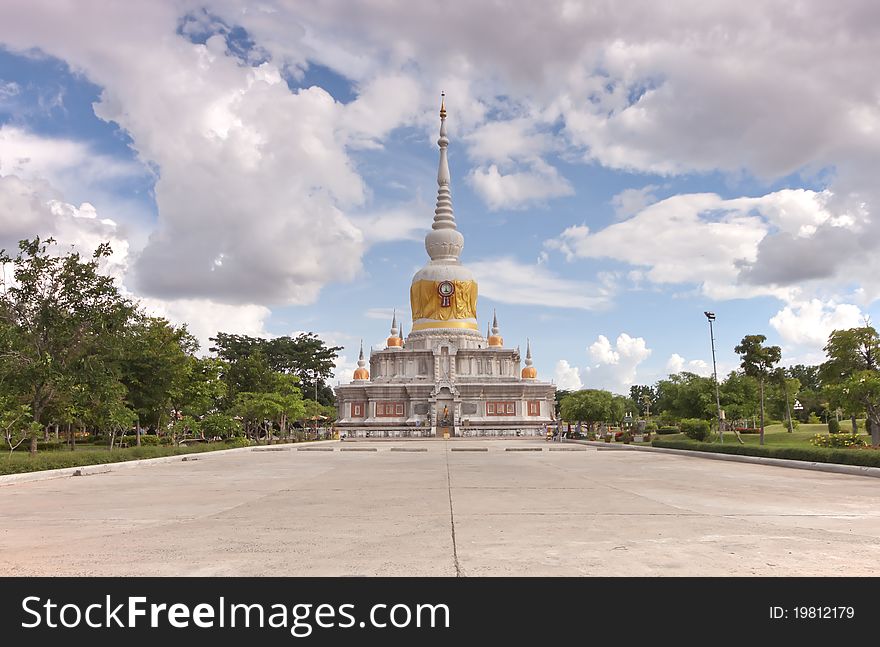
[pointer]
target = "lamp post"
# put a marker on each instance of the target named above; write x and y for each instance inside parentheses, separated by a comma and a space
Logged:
(711, 317)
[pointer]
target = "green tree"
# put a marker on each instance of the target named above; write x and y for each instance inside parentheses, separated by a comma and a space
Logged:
(219, 425)
(758, 361)
(249, 374)
(739, 396)
(589, 405)
(205, 389)
(686, 395)
(258, 411)
(851, 376)
(16, 422)
(155, 366)
(782, 392)
(808, 376)
(645, 397)
(182, 427)
(290, 400)
(305, 356)
(60, 318)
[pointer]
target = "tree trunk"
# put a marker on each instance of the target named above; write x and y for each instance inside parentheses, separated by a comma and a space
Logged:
(872, 422)
(787, 407)
(762, 412)
(33, 445)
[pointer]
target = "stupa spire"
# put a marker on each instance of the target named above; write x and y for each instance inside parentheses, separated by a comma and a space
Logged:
(495, 339)
(394, 341)
(444, 242)
(361, 373)
(529, 372)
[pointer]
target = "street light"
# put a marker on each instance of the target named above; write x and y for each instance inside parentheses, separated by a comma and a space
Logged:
(711, 317)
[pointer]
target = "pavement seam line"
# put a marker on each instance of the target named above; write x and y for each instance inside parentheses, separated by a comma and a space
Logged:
(452, 517)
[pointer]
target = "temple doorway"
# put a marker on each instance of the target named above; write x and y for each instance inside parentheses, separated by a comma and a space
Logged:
(444, 413)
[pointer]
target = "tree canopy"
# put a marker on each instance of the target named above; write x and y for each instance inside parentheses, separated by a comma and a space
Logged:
(77, 353)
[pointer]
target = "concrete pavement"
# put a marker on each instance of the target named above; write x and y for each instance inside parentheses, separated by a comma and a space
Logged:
(581, 511)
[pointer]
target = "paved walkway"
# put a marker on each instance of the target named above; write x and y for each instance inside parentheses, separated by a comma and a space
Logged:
(443, 510)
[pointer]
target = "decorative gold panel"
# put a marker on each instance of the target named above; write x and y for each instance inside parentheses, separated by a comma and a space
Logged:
(425, 301)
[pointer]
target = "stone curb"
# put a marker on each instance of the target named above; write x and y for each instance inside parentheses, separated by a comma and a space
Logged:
(104, 468)
(834, 468)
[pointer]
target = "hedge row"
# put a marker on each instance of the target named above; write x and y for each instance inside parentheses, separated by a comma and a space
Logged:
(20, 462)
(863, 457)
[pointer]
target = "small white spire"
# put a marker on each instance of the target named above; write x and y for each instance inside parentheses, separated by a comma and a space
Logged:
(361, 362)
(394, 324)
(495, 328)
(528, 352)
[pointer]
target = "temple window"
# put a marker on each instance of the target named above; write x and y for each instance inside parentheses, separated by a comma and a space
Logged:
(500, 408)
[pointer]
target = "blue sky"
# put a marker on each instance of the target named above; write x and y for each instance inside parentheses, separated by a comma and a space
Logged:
(273, 170)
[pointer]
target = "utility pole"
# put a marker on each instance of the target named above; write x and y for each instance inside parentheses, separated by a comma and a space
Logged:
(711, 317)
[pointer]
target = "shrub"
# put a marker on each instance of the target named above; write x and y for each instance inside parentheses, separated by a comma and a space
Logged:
(45, 445)
(837, 440)
(695, 429)
(651, 426)
(833, 426)
(813, 419)
(239, 441)
(862, 457)
(748, 430)
(625, 437)
(667, 430)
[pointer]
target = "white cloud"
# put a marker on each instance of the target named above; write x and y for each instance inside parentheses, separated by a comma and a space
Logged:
(403, 222)
(630, 201)
(9, 89)
(714, 243)
(567, 376)
(676, 364)
(808, 324)
(31, 208)
(615, 366)
(386, 314)
(509, 281)
(64, 163)
(506, 142)
(246, 166)
(205, 318)
(28, 208)
(518, 189)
